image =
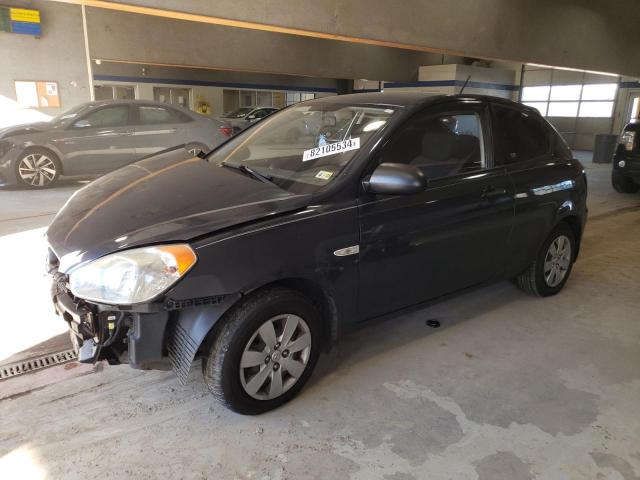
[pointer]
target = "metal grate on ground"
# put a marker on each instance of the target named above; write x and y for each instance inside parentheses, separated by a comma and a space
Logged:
(39, 363)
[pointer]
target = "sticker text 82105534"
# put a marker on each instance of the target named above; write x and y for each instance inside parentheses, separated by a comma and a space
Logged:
(331, 149)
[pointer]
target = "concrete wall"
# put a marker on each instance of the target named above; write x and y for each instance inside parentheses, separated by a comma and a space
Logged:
(58, 55)
(449, 79)
(147, 39)
(585, 34)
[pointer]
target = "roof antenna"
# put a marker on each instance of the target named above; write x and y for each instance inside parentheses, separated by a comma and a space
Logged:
(464, 85)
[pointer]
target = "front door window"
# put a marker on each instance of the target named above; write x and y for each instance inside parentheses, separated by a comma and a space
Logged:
(440, 145)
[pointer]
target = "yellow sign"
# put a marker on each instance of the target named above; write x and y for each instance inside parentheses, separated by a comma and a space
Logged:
(25, 15)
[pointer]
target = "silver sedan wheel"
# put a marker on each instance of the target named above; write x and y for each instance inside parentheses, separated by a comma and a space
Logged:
(275, 357)
(195, 151)
(557, 261)
(37, 170)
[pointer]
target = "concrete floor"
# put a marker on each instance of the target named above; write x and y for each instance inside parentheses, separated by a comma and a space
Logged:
(510, 387)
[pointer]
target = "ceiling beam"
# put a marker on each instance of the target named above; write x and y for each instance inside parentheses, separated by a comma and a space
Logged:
(227, 22)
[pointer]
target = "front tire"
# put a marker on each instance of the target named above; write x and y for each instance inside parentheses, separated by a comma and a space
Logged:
(622, 184)
(549, 272)
(37, 168)
(265, 351)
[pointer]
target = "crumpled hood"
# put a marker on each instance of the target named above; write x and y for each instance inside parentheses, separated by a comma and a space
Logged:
(24, 129)
(170, 197)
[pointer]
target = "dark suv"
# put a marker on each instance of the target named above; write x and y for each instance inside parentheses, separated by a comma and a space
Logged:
(262, 254)
(625, 176)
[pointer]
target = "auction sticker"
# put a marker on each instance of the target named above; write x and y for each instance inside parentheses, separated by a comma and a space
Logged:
(331, 149)
(324, 175)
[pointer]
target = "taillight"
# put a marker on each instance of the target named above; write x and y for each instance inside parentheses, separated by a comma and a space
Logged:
(226, 131)
(628, 139)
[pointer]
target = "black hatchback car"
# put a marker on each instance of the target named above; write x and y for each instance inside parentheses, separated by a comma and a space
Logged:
(260, 255)
(625, 176)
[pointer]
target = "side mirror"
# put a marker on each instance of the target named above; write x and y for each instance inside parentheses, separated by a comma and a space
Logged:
(82, 124)
(251, 117)
(396, 179)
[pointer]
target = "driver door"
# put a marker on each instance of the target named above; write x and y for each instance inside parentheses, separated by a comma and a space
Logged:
(450, 236)
(100, 141)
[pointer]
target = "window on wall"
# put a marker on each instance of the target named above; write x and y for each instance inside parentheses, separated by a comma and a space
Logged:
(247, 98)
(264, 99)
(578, 100)
(295, 97)
(111, 92)
(635, 109)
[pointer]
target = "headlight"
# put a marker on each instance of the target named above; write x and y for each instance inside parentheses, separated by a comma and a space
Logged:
(628, 139)
(132, 276)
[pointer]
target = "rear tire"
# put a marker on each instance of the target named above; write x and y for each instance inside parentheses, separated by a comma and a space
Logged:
(622, 184)
(37, 168)
(549, 272)
(258, 361)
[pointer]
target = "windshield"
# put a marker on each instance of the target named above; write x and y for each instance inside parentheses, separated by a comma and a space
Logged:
(69, 114)
(305, 147)
(239, 113)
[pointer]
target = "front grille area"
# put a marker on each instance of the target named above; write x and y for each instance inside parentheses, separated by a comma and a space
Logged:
(182, 350)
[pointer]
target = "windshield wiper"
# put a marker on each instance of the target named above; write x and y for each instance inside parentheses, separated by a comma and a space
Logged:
(249, 171)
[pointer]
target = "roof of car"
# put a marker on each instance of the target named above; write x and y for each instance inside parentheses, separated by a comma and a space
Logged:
(410, 99)
(99, 103)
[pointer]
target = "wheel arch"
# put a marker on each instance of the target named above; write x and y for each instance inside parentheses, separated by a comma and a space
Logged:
(574, 222)
(322, 300)
(192, 330)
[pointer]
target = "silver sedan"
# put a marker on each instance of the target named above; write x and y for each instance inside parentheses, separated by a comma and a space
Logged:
(97, 137)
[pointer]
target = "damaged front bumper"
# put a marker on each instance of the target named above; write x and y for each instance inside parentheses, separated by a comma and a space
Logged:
(107, 332)
(162, 335)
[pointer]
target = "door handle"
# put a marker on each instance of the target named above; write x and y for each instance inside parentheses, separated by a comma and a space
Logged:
(492, 192)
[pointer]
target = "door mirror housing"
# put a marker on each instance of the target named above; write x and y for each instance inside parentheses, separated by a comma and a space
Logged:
(396, 179)
(251, 117)
(82, 124)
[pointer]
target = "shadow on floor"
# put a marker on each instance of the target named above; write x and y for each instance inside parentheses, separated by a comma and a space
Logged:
(54, 344)
(388, 333)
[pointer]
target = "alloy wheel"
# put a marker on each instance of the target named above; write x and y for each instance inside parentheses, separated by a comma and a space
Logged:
(557, 261)
(275, 357)
(37, 170)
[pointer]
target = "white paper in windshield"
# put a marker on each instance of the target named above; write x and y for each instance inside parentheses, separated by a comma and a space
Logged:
(331, 149)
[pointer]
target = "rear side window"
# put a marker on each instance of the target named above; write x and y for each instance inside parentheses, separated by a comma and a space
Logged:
(440, 145)
(261, 113)
(520, 135)
(153, 115)
(117, 116)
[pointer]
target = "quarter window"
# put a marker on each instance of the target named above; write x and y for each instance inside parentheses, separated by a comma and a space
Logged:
(522, 136)
(152, 115)
(117, 116)
(440, 145)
